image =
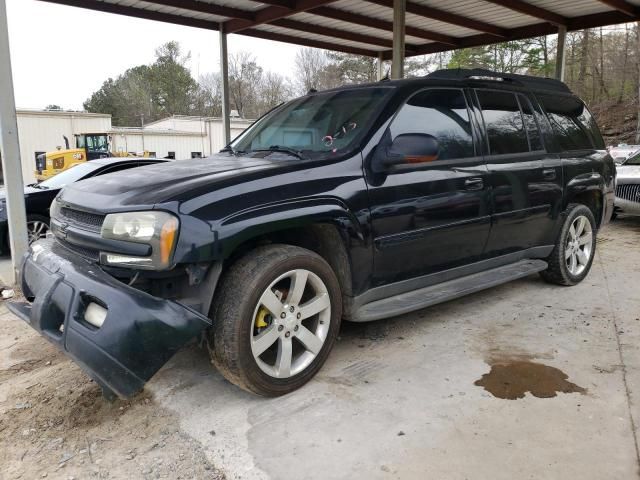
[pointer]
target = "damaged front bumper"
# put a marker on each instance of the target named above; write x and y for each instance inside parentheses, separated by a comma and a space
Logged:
(138, 336)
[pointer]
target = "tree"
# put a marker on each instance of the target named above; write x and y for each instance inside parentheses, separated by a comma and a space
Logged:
(315, 70)
(53, 108)
(245, 76)
(151, 91)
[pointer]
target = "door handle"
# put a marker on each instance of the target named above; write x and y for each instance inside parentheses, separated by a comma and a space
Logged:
(549, 173)
(473, 184)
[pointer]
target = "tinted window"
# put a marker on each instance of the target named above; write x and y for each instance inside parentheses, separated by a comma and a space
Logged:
(503, 121)
(442, 113)
(530, 123)
(572, 123)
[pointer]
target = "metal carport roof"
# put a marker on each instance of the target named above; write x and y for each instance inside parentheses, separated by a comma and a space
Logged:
(365, 26)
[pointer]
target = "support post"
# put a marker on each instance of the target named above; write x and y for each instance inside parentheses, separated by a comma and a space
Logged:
(561, 57)
(224, 74)
(380, 66)
(10, 151)
(397, 63)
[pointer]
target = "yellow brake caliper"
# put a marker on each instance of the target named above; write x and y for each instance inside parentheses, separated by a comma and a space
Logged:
(260, 318)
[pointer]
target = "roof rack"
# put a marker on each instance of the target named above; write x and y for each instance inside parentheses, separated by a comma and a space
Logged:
(534, 83)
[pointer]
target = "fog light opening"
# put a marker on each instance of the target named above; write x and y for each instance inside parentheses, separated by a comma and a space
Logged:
(95, 314)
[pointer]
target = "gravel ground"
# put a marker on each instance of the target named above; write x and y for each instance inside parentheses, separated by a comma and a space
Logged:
(55, 424)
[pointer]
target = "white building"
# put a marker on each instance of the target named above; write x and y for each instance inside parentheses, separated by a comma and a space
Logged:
(180, 137)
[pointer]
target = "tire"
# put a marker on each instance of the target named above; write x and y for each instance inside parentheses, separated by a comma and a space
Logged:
(37, 227)
(242, 324)
(562, 270)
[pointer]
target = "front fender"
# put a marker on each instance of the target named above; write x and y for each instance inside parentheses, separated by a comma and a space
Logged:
(241, 226)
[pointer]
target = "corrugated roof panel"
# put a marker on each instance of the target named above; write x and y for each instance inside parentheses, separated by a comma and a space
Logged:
(320, 38)
(308, 17)
(154, 7)
(572, 8)
(483, 11)
(429, 24)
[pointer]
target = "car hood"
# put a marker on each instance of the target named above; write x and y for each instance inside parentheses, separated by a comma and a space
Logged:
(165, 182)
(27, 191)
(628, 171)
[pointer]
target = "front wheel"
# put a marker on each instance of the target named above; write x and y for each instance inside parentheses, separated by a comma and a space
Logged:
(572, 256)
(275, 319)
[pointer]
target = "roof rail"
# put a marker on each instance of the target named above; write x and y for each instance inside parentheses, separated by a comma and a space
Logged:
(534, 83)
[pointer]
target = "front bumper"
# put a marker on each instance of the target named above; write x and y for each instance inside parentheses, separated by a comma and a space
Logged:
(627, 207)
(139, 335)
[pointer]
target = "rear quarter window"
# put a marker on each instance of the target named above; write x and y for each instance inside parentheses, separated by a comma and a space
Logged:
(573, 125)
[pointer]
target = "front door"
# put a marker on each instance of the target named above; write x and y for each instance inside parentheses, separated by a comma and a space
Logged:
(432, 216)
(526, 181)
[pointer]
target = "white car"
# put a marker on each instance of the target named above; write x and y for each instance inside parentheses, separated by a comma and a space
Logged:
(628, 186)
(622, 152)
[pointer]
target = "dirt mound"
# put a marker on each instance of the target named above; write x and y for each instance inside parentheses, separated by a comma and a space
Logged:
(55, 424)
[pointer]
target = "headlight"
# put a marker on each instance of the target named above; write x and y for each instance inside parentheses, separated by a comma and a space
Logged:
(159, 230)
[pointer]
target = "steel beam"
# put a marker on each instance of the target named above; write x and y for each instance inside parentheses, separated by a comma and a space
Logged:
(561, 58)
(224, 75)
(399, 17)
(10, 151)
(531, 10)
(446, 17)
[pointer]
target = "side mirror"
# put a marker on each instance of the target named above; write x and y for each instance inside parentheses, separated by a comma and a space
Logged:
(407, 148)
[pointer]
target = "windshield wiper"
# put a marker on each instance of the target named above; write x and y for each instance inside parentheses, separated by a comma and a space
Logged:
(38, 186)
(278, 148)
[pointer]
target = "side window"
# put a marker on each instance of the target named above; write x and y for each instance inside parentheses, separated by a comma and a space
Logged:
(503, 122)
(572, 123)
(441, 113)
(531, 124)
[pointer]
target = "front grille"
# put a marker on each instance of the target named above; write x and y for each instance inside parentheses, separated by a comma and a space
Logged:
(84, 220)
(88, 253)
(629, 191)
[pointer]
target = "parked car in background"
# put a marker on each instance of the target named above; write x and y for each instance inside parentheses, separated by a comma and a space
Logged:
(38, 196)
(623, 151)
(361, 202)
(628, 186)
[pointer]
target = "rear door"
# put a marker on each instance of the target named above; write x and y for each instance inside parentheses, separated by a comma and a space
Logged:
(526, 181)
(435, 215)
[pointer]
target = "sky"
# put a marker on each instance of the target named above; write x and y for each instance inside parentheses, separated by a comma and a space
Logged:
(60, 55)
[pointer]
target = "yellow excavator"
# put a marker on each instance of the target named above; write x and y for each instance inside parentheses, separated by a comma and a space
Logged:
(89, 146)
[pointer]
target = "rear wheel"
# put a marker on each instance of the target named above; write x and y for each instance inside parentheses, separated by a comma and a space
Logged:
(275, 319)
(571, 259)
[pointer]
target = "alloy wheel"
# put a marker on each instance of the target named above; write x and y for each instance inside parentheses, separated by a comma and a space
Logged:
(290, 323)
(579, 246)
(36, 230)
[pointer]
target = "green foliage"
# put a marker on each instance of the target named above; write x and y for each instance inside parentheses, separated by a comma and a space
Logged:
(148, 91)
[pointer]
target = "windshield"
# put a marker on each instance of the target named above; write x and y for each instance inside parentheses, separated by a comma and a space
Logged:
(315, 125)
(633, 160)
(69, 176)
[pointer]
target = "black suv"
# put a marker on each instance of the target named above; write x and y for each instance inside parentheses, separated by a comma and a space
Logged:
(361, 202)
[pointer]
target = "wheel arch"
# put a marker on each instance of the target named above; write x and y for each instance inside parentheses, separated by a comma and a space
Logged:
(588, 190)
(326, 228)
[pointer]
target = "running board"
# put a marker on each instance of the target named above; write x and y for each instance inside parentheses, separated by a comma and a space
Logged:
(425, 297)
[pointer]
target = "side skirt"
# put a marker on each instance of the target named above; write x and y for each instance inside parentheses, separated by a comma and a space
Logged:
(447, 290)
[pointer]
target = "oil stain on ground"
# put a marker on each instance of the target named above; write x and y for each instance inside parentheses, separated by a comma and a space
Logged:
(512, 379)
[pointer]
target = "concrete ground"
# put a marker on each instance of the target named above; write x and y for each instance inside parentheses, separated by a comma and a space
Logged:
(398, 398)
